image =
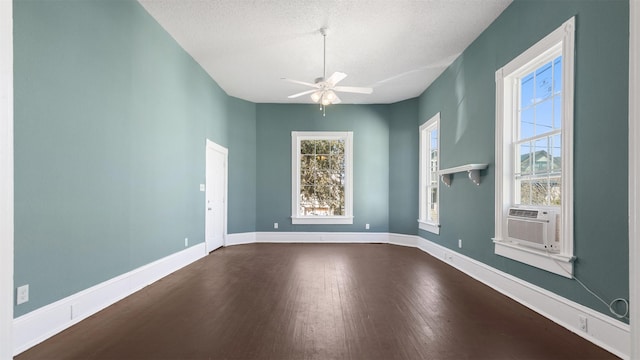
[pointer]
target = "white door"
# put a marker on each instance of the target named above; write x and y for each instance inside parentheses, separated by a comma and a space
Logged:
(216, 194)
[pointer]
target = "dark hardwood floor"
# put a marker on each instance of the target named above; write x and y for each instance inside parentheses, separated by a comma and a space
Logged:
(316, 301)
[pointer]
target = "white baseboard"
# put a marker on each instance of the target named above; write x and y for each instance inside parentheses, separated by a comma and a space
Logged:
(610, 334)
(403, 240)
(321, 237)
(37, 326)
(240, 239)
(33, 328)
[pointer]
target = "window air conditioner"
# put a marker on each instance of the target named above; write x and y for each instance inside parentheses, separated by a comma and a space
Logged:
(534, 227)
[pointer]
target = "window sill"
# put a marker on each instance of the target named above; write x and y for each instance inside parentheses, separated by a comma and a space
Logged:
(322, 220)
(430, 227)
(559, 264)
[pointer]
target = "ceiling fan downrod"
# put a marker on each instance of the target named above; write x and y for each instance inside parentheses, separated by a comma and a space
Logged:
(323, 31)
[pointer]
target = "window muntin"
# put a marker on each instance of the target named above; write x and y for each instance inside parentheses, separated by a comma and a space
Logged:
(322, 172)
(429, 179)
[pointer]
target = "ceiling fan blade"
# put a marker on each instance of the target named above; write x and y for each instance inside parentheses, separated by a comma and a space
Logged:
(301, 93)
(335, 78)
(301, 82)
(354, 89)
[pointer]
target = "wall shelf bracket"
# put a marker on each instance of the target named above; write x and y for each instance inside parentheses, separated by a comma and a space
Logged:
(472, 169)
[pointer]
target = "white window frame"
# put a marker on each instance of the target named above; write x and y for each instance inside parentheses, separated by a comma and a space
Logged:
(296, 137)
(560, 41)
(424, 222)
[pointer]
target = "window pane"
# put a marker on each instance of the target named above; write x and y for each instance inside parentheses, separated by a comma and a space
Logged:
(526, 123)
(323, 146)
(555, 191)
(541, 156)
(307, 166)
(307, 161)
(433, 180)
(557, 112)
(433, 160)
(307, 177)
(433, 205)
(557, 75)
(337, 147)
(539, 191)
(525, 192)
(323, 177)
(544, 82)
(525, 159)
(307, 147)
(322, 162)
(544, 117)
(555, 147)
(533, 192)
(337, 164)
(526, 91)
(307, 198)
(434, 140)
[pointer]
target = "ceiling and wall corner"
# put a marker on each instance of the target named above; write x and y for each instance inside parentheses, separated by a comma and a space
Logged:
(397, 47)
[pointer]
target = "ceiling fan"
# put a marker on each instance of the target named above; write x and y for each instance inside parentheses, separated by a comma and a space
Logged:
(324, 89)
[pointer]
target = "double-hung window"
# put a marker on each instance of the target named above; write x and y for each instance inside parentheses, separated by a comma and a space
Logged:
(322, 177)
(534, 156)
(429, 166)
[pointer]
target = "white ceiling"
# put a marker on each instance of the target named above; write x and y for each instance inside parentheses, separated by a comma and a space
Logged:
(398, 47)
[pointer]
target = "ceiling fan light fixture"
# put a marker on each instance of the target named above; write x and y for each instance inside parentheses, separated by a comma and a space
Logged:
(330, 95)
(315, 97)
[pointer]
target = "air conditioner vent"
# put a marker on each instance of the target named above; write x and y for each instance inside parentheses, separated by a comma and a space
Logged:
(523, 213)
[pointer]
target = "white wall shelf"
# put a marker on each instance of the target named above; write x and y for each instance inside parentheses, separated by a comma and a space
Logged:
(472, 169)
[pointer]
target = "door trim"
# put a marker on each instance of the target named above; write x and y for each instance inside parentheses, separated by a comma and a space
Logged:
(224, 151)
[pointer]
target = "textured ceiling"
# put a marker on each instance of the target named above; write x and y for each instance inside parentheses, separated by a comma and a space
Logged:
(398, 47)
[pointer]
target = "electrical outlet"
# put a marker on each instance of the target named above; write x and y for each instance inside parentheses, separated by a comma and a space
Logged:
(186, 242)
(366, 226)
(202, 187)
(275, 225)
(583, 323)
(460, 243)
(22, 295)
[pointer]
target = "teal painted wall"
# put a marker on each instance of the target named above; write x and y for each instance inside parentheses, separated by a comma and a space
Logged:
(241, 137)
(370, 126)
(404, 146)
(465, 96)
(111, 117)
